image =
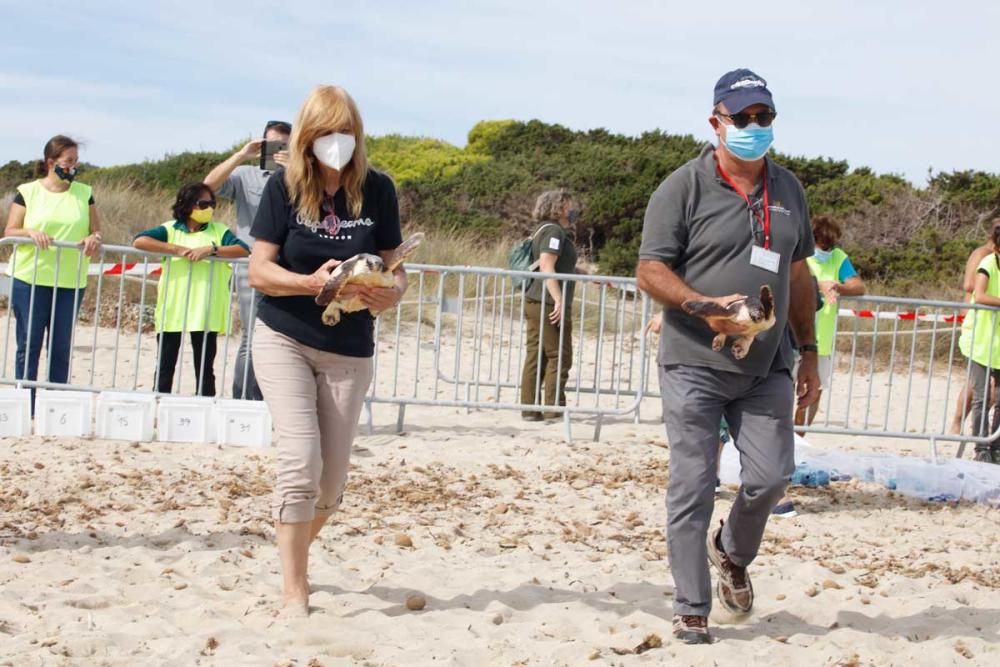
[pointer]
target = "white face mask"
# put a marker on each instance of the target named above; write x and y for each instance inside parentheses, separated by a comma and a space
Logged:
(334, 150)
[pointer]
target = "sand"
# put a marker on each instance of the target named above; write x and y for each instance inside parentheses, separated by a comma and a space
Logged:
(526, 549)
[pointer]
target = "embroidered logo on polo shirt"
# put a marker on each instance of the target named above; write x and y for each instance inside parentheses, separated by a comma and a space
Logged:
(776, 207)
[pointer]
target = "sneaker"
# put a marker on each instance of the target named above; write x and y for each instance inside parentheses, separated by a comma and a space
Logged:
(692, 629)
(734, 590)
(983, 455)
(718, 486)
(532, 416)
(785, 510)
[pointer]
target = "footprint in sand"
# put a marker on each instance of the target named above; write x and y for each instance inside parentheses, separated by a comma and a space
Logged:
(95, 602)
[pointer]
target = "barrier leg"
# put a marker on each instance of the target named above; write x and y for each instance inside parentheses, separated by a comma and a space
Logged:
(399, 418)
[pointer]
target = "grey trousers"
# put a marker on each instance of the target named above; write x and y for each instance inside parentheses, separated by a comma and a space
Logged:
(759, 413)
(243, 375)
(983, 423)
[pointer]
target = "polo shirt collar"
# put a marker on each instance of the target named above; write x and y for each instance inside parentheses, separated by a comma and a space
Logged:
(708, 165)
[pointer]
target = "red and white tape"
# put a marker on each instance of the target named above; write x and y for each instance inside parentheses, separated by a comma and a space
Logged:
(907, 316)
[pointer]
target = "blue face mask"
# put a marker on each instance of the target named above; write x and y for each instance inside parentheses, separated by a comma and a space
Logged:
(750, 143)
(822, 256)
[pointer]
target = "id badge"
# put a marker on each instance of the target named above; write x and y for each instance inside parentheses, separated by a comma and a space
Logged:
(765, 259)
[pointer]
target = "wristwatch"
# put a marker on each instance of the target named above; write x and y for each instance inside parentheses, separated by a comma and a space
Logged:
(215, 252)
(808, 347)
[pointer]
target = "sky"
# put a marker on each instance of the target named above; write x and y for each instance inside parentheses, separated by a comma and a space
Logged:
(887, 84)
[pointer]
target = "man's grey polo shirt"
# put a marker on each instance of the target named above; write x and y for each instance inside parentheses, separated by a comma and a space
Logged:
(700, 227)
(244, 187)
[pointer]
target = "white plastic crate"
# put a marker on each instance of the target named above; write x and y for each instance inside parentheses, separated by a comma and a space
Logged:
(244, 423)
(186, 419)
(123, 416)
(15, 412)
(63, 412)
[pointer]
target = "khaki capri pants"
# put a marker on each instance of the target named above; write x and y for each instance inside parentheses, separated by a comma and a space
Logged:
(315, 399)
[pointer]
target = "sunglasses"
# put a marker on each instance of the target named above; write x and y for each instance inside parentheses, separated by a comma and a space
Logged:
(741, 120)
(204, 203)
(279, 125)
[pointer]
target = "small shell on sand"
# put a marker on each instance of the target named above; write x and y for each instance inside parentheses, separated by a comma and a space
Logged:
(415, 602)
(403, 540)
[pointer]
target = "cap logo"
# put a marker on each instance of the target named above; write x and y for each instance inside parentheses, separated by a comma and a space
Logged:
(747, 83)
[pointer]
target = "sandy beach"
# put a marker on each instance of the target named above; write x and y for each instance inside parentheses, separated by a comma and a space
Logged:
(526, 550)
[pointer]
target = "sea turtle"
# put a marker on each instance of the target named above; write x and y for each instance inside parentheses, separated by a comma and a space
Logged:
(748, 316)
(362, 269)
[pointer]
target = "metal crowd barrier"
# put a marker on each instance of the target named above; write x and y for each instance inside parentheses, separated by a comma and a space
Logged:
(118, 300)
(891, 353)
(458, 340)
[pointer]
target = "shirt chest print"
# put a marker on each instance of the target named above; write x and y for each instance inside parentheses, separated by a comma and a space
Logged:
(333, 228)
(330, 227)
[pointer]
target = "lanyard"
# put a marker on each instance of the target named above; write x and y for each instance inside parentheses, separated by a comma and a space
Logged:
(746, 198)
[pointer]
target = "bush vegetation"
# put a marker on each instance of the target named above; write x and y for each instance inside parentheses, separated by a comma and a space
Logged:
(905, 238)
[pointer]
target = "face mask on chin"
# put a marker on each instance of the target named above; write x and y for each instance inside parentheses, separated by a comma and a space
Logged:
(334, 150)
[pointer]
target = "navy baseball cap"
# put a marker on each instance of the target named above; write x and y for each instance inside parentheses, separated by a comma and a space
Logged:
(742, 88)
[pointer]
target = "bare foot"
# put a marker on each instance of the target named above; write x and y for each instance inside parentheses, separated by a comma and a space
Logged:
(297, 609)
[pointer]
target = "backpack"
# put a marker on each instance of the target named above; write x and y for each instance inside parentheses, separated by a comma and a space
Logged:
(521, 258)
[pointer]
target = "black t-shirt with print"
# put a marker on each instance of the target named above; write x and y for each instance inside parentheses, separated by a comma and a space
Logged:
(306, 245)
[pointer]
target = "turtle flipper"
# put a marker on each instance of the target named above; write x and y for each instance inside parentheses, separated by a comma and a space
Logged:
(741, 346)
(705, 309)
(767, 300)
(339, 278)
(331, 315)
(404, 250)
(719, 342)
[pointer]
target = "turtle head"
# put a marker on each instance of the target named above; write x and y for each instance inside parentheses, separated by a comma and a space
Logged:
(761, 309)
(372, 264)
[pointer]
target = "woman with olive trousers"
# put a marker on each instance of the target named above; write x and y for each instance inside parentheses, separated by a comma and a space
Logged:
(549, 345)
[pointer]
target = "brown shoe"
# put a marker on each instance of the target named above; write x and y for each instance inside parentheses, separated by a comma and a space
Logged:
(734, 590)
(532, 416)
(692, 629)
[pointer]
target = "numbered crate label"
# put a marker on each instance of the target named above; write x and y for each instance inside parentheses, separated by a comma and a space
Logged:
(15, 412)
(66, 413)
(244, 423)
(125, 420)
(185, 420)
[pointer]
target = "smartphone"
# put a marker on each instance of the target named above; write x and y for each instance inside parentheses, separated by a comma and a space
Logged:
(267, 151)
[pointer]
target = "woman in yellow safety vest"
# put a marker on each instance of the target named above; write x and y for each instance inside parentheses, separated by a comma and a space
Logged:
(836, 277)
(964, 402)
(48, 282)
(984, 349)
(193, 293)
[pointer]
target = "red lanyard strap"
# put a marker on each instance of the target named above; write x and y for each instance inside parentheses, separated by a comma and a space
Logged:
(746, 198)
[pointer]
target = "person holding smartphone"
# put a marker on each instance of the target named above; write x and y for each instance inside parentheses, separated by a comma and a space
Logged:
(243, 184)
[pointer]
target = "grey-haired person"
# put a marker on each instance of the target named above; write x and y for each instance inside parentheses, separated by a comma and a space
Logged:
(549, 343)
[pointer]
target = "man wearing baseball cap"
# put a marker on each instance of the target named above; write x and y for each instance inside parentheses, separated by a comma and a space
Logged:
(720, 227)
